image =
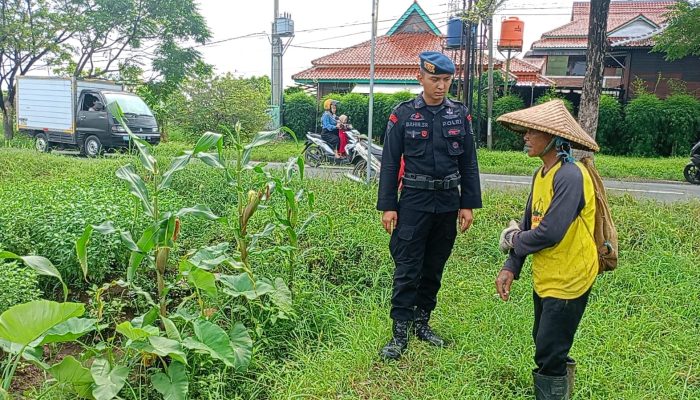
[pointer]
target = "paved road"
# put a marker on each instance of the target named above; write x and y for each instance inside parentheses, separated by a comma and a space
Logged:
(662, 191)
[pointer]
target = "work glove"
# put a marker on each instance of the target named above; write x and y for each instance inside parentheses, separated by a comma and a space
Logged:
(506, 241)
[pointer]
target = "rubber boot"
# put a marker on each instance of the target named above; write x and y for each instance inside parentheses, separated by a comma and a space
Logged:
(570, 375)
(423, 330)
(550, 387)
(398, 343)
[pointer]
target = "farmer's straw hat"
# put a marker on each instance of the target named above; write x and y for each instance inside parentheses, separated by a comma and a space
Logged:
(551, 117)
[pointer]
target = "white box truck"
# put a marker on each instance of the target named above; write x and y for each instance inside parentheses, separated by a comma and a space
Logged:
(71, 113)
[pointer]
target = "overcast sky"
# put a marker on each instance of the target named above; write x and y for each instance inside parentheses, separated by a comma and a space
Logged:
(321, 26)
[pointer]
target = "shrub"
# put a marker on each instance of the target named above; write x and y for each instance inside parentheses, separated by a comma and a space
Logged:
(503, 138)
(207, 104)
(681, 113)
(398, 97)
(552, 95)
(300, 113)
(355, 106)
(608, 134)
(18, 284)
(383, 104)
(643, 128)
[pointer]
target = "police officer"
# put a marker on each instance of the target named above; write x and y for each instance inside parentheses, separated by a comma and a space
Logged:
(433, 136)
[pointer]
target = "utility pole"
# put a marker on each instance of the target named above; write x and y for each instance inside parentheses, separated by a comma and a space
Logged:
(375, 6)
(282, 26)
(467, 36)
(489, 107)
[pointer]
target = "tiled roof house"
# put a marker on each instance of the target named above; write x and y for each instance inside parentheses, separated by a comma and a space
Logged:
(632, 26)
(396, 60)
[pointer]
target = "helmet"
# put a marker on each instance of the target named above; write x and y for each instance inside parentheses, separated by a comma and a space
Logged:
(327, 104)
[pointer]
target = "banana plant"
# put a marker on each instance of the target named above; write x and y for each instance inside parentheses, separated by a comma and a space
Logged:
(154, 245)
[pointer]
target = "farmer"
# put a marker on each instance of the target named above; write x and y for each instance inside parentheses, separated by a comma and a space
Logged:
(557, 229)
(440, 187)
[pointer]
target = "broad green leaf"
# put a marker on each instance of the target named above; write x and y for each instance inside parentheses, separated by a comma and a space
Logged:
(108, 382)
(242, 345)
(41, 265)
(137, 187)
(27, 322)
(202, 280)
(69, 330)
(289, 168)
(167, 230)
(171, 329)
(31, 354)
(147, 160)
(281, 296)
(108, 228)
(146, 242)
(173, 385)
(146, 319)
(133, 333)
(177, 164)
(210, 257)
(4, 395)
(81, 249)
(262, 138)
(211, 160)
(301, 165)
(213, 340)
(206, 142)
(72, 374)
(199, 211)
(161, 346)
(239, 285)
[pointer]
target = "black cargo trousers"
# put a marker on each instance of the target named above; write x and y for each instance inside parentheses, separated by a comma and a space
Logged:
(420, 246)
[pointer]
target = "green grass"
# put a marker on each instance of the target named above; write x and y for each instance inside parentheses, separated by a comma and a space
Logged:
(639, 339)
(614, 167)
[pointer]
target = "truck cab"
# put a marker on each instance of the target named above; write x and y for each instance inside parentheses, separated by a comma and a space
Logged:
(73, 114)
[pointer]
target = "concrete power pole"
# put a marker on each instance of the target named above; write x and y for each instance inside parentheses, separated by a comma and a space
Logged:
(489, 107)
(282, 26)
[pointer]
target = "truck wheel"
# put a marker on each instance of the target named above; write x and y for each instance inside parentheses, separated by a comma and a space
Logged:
(92, 147)
(41, 143)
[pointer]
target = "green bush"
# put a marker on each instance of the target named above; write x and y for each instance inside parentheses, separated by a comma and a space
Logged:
(399, 97)
(383, 104)
(18, 284)
(208, 104)
(299, 113)
(355, 106)
(552, 95)
(504, 139)
(643, 128)
(608, 135)
(681, 113)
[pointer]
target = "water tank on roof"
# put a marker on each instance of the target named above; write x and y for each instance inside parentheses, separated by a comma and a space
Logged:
(284, 26)
(454, 33)
(511, 34)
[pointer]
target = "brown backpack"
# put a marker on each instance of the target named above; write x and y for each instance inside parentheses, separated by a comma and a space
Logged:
(605, 233)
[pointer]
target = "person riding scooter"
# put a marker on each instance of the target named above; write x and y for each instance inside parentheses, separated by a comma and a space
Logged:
(330, 125)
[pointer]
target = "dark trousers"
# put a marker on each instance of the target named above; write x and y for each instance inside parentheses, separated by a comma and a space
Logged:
(556, 321)
(331, 137)
(420, 245)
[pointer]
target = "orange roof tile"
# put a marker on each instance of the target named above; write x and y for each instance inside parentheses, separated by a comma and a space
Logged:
(398, 49)
(337, 72)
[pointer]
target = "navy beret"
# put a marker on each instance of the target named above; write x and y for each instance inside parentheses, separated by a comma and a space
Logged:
(436, 63)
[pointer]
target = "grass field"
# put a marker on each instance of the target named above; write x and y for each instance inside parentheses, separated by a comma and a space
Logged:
(639, 339)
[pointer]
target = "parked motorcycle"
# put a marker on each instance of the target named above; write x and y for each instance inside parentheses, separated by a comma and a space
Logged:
(360, 149)
(317, 152)
(692, 170)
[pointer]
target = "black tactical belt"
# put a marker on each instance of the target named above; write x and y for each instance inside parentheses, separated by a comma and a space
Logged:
(427, 182)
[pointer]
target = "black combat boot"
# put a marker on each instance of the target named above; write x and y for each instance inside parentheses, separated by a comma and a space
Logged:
(397, 345)
(550, 387)
(423, 331)
(570, 374)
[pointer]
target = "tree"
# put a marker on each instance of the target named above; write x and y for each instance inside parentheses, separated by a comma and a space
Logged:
(100, 39)
(30, 31)
(593, 81)
(681, 38)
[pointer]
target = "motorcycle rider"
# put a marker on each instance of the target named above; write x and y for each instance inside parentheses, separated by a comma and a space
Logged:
(330, 125)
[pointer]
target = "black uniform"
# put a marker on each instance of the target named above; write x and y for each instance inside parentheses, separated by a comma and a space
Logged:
(436, 143)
